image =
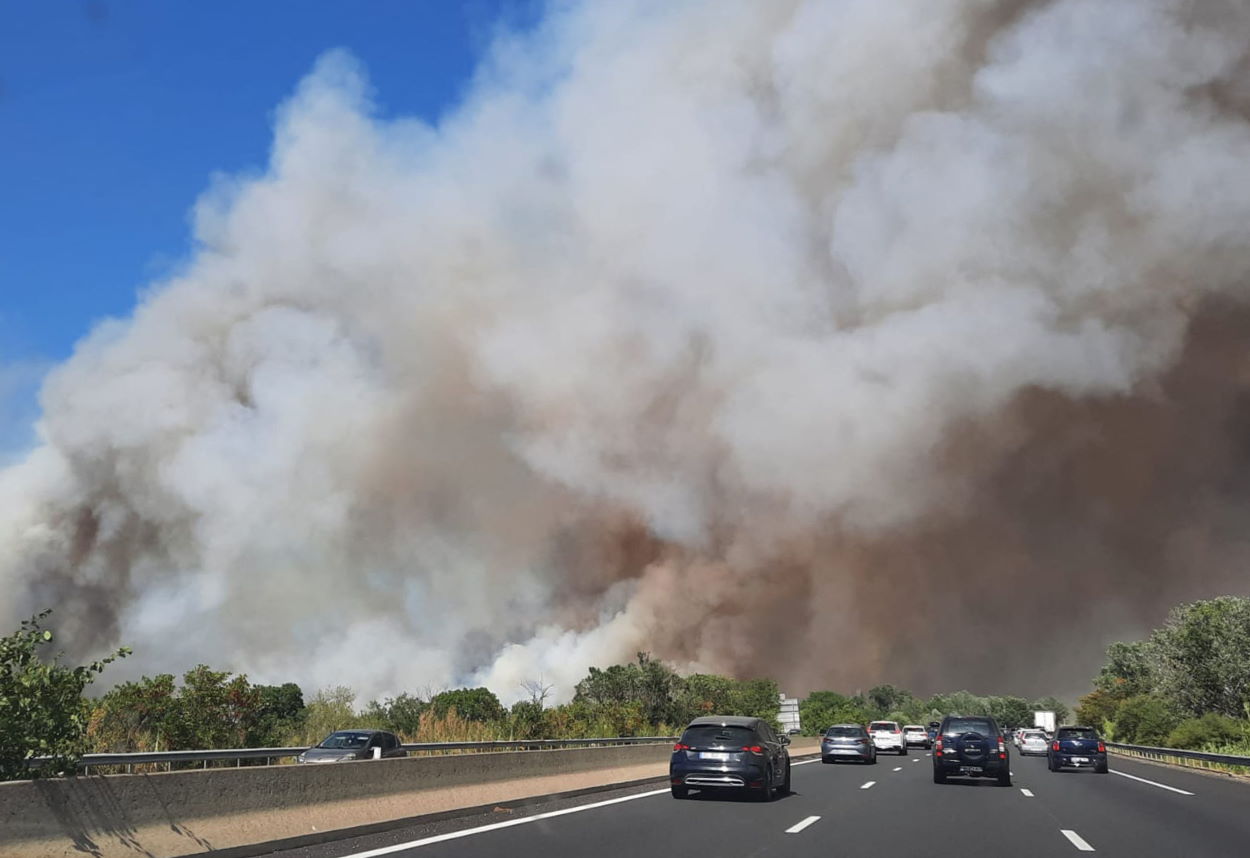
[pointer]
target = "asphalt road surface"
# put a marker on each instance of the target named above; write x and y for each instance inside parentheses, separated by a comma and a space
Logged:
(889, 810)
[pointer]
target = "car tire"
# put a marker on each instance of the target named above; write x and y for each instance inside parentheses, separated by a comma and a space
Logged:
(1101, 768)
(826, 759)
(939, 776)
(1004, 778)
(872, 761)
(785, 785)
(1050, 764)
(902, 752)
(680, 792)
(769, 791)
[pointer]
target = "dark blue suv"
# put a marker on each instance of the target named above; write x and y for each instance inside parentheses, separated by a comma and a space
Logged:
(730, 752)
(1079, 747)
(970, 746)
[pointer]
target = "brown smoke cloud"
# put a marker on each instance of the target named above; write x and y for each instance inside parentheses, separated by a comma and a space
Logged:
(842, 341)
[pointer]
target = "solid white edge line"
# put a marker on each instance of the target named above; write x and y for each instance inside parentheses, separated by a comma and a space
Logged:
(1077, 840)
(868, 785)
(1027, 793)
(1152, 783)
(805, 762)
(495, 826)
(799, 826)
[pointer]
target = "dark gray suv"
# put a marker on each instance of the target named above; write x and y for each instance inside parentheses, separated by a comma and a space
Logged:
(730, 752)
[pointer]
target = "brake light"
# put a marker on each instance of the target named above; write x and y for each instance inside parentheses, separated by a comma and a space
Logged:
(1054, 746)
(680, 747)
(937, 747)
(896, 732)
(1102, 749)
(754, 749)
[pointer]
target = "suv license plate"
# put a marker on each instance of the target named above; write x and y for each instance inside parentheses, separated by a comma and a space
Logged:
(975, 768)
(1080, 759)
(709, 755)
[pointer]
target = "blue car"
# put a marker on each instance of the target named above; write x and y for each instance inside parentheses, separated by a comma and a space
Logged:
(1077, 747)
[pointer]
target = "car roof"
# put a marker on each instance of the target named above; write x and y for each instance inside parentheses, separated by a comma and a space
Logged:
(857, 726)
(1075, 727)
(724, 721)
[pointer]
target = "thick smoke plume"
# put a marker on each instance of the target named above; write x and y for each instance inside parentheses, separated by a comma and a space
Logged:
(842, 342)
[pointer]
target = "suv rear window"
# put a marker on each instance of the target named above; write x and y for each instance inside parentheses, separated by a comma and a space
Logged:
(882, 725)
(1077, 733)
(710, 735)
(959, 726)
(845, 731)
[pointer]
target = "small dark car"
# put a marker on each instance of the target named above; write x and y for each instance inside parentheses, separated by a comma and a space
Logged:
(345, 745)
(1079, 747)
(730, 752)
(970, 746)
(847, 742)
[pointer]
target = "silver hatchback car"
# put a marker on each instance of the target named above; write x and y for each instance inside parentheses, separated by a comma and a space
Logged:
(847, 742)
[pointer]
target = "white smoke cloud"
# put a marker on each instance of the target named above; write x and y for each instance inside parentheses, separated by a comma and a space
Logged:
(599, 363)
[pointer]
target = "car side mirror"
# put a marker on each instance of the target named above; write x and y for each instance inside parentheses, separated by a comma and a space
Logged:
(785, 740)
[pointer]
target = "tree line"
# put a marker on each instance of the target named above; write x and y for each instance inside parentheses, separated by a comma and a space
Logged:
(1187, 685)
(44, 711)
(823, 709)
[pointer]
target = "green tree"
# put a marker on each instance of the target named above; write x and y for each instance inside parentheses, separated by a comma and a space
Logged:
(279, 712)
(1097, 708)
(135, 716)
(471, 704)
(885, 699)
(1011, 711)
(42, 710)
(400, 714)
(1145, 720)
(1203, 653)
(822, 709)
(330, 709)
(1206, 733)
(1130, 670)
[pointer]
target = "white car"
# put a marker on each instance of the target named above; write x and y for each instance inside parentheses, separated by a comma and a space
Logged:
(888, 736)
(1033, 742)
(914, 734)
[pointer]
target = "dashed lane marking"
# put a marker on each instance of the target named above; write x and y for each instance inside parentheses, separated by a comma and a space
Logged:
(799, 826)
(898, 768)
(868, 785)
(1027, 793)
(1077, 840)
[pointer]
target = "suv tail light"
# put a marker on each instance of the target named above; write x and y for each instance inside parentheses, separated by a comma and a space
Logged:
(680, 747)
(937, 747)
(1102, 748)
(1054, 746)
(896, 732)
(753, 749)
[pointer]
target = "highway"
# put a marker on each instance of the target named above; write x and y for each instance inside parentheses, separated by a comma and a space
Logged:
(883, 811)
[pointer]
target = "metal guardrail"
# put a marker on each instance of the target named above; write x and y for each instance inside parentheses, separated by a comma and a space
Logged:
(1147, 752)
(240, 754)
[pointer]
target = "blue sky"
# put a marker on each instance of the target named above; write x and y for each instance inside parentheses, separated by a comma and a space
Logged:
(113, 116)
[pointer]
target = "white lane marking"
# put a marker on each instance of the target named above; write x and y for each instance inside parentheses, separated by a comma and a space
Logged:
(1152, 783)
(868, 785)
(1077, 840)
(928, 755)
(799, 826)
(1027, 793)
(916, 760)
(805, 762)
(898, 768)
(495, 826)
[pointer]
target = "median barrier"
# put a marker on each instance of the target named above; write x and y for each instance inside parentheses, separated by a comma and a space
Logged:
(180, 813)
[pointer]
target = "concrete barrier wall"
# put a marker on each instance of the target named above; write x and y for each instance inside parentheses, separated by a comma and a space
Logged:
(181, 813)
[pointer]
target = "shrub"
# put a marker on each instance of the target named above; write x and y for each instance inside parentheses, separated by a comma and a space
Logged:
(1211, 730)
(1144, 720)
